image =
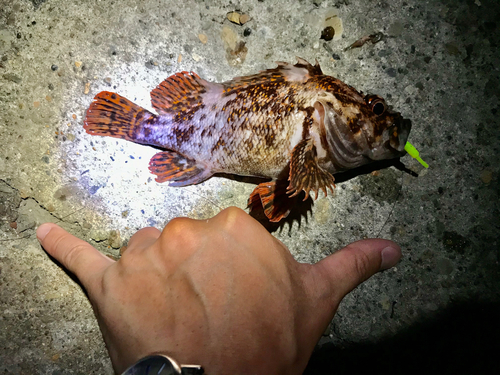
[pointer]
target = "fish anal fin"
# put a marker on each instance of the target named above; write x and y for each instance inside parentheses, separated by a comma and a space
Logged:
(181, 92)
(271, 197)
(177, 169)
(306, 173)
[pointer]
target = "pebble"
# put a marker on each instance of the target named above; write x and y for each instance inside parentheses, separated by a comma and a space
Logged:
(396, 28)
(203, 38)
(78, 64)
(391, 72)
(385, 302)
(244, 18)
(229, 37)
(323, 211)
(234, 17)
(452, 49)
(12, 78)
(486, 176)
(114, 239)
(327, 33)
(98, 235)
(444, 266)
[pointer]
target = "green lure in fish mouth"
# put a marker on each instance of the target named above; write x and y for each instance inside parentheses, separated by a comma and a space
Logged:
(413, 152)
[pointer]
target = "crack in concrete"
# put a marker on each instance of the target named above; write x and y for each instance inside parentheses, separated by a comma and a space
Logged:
(58, 219)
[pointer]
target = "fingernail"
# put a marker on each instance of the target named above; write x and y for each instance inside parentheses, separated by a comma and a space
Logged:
(390, 257)
(42, 231)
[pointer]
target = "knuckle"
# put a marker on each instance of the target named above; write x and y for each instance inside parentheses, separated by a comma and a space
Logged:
(177, 226)
(179, 232)
(71, 256)
(232, 218)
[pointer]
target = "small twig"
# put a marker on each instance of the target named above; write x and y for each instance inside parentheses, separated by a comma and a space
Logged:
(374, 38)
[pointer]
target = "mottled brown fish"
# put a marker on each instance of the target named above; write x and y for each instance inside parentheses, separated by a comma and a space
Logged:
(289, 123)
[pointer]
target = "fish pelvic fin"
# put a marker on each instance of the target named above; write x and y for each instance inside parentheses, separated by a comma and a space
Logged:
(306, 173)
(113, 115)
(179, 170)
(272, 199)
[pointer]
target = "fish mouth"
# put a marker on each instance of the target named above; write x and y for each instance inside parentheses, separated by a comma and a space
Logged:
(399, 135)
(394, 141)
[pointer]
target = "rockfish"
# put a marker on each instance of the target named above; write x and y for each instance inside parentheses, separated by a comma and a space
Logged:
(291, 123)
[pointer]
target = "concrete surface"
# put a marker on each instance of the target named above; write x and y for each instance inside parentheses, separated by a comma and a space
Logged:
(438, 63)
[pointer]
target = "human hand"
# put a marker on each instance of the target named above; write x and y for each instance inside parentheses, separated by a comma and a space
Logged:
(222, 293)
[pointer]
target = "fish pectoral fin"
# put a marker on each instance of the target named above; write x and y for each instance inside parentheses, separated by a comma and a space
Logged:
(179, 170)
(306, 173)
(269, 196)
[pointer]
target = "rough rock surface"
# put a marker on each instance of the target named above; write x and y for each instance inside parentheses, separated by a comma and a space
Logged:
(437, 63)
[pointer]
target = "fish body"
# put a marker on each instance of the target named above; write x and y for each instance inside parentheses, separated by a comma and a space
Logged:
(291, 122)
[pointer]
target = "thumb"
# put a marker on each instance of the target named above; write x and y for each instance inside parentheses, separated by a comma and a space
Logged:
(350, 266)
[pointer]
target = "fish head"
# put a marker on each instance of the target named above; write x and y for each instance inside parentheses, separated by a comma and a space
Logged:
(388, 132)
(361, 129)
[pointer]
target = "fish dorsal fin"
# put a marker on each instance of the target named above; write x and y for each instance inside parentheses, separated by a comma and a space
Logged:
(181, 91)
(285, 72)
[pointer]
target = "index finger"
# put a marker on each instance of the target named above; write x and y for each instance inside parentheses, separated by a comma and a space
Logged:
(76, 255)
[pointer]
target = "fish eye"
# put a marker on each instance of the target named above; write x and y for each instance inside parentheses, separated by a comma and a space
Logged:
(378, 108)
(377, 104)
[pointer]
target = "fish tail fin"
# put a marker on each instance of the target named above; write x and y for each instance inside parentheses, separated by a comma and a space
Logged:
(113, 115)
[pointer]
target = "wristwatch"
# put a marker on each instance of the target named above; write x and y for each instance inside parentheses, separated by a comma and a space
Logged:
(159, 364)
